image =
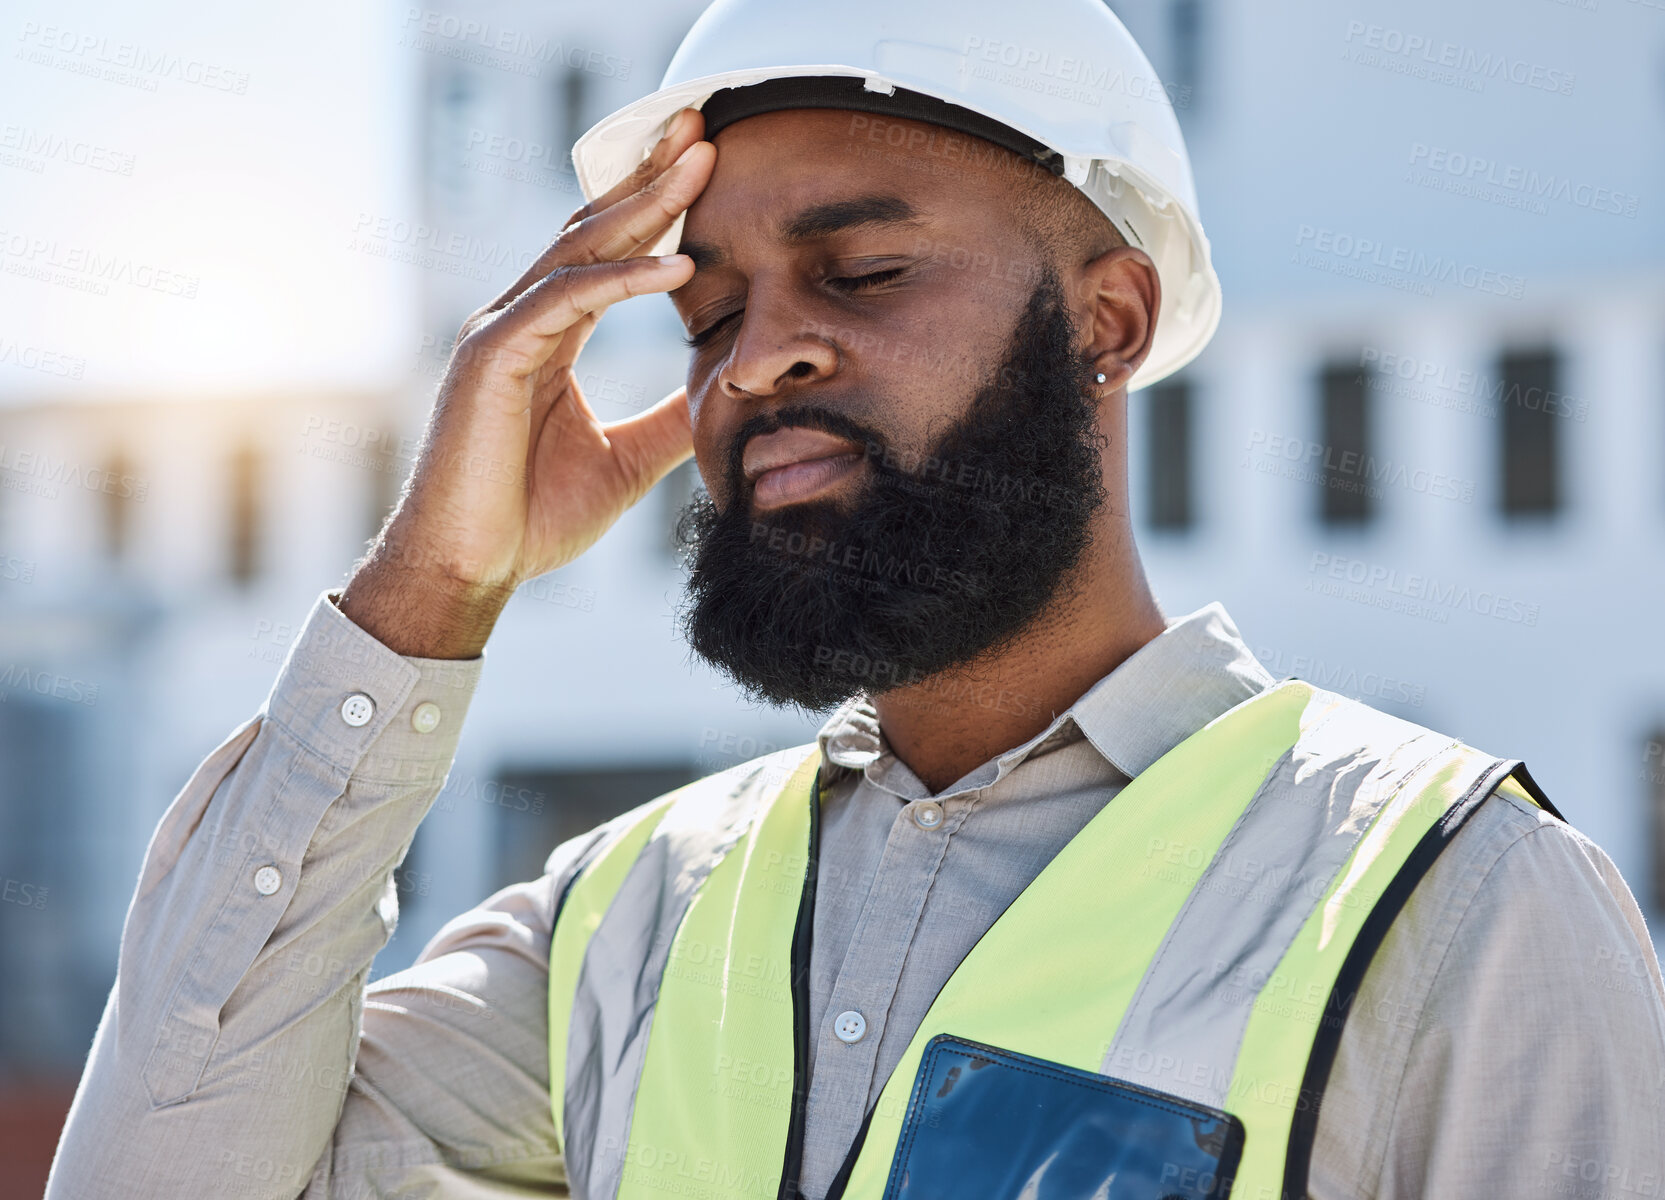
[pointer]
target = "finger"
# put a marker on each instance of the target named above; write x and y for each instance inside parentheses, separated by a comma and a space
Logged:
(639, 219)
(560, 366)
(572, 343)
(526, 333)
(652, 443)
(686, 128)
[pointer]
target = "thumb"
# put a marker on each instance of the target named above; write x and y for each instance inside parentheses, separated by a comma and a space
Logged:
(653, 441)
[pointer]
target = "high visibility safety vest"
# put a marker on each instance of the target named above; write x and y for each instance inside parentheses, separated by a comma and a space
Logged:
(1202, 936)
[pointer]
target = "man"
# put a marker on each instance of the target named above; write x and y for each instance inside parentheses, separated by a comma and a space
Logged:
(1047, 830)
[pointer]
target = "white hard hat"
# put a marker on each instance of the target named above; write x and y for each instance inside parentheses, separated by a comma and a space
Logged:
(1061, 80)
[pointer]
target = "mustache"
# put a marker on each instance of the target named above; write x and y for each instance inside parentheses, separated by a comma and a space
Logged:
(806, 416)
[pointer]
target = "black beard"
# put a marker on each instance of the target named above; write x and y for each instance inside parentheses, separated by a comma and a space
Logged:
(941, 558)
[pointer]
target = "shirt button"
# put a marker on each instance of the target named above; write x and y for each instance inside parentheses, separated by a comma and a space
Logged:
(927, 814)
(357, 709)
(425, 717)
(849, 1026)
(267, 880)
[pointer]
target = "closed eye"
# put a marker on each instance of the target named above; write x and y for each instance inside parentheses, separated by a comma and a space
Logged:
(857, 283)
(846, 283)
(695, 340)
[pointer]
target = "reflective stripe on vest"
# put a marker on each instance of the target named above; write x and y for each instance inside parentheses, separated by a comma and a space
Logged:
(1199, 931)
(642, 944)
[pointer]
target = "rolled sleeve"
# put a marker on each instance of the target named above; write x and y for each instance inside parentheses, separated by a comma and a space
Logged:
(265, 893)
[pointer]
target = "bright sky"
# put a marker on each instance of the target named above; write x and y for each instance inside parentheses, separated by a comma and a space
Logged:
(186, 178)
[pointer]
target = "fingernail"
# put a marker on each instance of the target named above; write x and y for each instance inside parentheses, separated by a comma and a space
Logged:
(678, 123)
(672, 260)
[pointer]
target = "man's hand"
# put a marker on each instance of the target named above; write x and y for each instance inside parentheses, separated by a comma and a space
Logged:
(517, 476)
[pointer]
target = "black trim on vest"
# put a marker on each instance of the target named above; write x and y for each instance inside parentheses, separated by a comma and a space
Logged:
(578, 869)
(1297, 1163)
(1524, 778)
(802, 935)
(835, 1190)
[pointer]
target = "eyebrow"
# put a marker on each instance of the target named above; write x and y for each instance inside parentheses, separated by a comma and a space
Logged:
(822, 220)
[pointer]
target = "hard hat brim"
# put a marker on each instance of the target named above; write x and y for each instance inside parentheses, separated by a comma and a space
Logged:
(1142, 209)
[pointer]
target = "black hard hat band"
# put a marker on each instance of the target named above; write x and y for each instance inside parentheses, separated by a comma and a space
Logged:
(729, 105)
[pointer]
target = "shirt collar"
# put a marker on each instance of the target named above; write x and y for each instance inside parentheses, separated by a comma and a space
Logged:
(1196, 669)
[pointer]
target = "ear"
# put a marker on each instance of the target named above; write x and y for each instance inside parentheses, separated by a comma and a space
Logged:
(1117, 297)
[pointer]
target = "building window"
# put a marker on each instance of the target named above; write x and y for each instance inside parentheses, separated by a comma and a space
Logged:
(457, 114)
(1168, 469)
(117, 515)
(573, 106)
(1530, 426)
(1347, 497)
(48, 798)
(243, 550)
(1653, 780)
(1185, 21)
(537, 810)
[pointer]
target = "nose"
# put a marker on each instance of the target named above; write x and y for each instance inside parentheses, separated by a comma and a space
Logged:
(775, 351)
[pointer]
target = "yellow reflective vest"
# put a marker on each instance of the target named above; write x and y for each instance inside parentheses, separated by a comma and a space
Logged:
(1202, 936)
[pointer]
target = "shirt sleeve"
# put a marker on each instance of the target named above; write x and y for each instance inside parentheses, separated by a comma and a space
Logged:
(1509, 1040)
(222, 1061)
(451, 1093)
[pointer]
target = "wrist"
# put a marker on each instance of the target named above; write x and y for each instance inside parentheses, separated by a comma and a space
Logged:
(420, 613)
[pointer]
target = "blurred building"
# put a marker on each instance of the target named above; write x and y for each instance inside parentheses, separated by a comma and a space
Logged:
(1420, 463)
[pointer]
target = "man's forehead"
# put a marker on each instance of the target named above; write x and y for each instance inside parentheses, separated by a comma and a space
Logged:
(806, 172)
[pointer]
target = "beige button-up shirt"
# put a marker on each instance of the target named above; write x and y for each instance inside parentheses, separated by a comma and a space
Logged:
(1508, 1040)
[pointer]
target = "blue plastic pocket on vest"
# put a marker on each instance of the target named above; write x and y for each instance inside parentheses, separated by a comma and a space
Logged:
(988, 1122)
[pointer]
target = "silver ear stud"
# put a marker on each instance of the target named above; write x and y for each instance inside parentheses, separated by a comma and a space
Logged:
(1099, 378)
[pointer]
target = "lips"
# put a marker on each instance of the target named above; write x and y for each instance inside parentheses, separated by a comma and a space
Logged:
(796, 463)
